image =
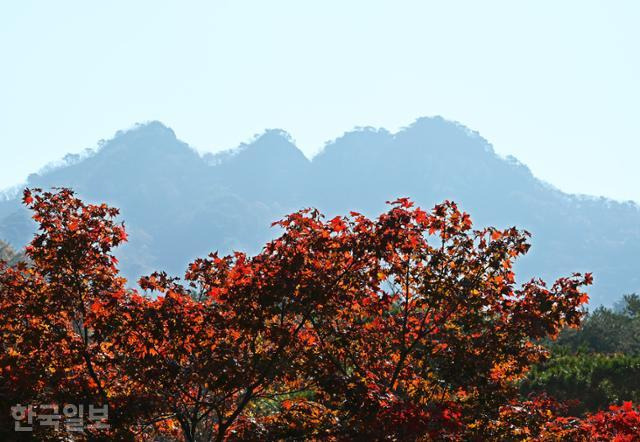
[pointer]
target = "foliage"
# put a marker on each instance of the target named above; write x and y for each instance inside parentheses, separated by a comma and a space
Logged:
(406, 327)
(606, 330)
(50, 352)
(590, 382)
(597, 364)
(618, 424)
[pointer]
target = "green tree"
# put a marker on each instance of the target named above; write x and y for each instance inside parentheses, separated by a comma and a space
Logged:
(606, 330)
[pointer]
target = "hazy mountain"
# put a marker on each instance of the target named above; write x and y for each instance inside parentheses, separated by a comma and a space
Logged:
(9, 255)
(178, 204)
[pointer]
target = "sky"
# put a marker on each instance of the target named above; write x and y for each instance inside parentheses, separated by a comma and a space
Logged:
(555, 84)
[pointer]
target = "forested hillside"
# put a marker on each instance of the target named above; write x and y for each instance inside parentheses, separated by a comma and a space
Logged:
(179, 204)
(9, 255)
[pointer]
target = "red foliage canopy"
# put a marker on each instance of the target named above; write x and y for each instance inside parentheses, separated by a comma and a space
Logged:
(406, 327)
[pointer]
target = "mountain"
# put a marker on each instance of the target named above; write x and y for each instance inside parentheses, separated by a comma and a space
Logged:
(8, 255)
(178, 204)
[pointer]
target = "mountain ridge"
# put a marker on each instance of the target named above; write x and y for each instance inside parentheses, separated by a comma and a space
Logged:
(180, 204)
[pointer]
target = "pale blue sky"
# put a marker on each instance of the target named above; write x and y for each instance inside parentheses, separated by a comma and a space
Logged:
(554, 83)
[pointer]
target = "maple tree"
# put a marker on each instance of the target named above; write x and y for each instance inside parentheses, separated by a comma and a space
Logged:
(406, 327)
(49, 351)
(619, 424)
(419, 336)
